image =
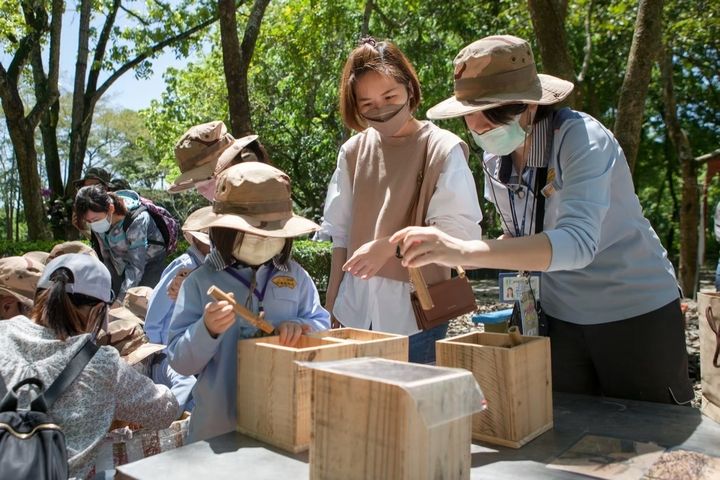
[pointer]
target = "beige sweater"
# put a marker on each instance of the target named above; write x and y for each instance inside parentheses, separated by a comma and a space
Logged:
(385, 177)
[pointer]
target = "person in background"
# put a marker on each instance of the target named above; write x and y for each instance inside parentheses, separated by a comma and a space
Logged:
(18, 278)
(162, 300)
(251, 226)
(207, 149)
(607, 288)
(135, 256)
(70, 306)
(94, 176)
(374, 192)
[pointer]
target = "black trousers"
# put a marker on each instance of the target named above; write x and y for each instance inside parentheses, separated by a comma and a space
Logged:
(640, 358)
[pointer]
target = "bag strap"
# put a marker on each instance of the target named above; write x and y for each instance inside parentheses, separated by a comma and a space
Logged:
(76, 365)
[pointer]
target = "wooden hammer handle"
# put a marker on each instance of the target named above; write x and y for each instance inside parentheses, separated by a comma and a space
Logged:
(515, 337)
(421, 289)
(253, 319)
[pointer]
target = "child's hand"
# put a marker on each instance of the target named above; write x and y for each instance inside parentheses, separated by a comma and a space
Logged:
(218, 317)
(290, 332)
(174, 288)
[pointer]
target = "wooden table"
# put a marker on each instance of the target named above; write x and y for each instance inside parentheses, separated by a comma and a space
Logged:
(236, 456)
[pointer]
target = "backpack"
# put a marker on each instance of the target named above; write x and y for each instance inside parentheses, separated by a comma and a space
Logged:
(167, 224)
(31, 444)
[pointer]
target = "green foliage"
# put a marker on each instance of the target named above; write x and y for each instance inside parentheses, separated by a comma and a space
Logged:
(12, 249)
(314, 257)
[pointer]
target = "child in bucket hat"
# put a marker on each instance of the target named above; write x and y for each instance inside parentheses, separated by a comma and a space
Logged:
(559, 179)
(207, 149)
(251, 225)
(18, 279)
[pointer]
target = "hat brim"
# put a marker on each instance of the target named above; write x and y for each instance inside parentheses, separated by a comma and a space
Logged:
(142, 352)
(201, 237)
(20, 298)
(187, 180)
(38, 256)
(123, 313)
(232, 151)
(552, 90)
(294, 226)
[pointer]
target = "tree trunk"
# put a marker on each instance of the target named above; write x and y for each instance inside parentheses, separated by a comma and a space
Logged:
(236, 61)
(690, 201)
(631, 104)
(548, 19)
(78, 116)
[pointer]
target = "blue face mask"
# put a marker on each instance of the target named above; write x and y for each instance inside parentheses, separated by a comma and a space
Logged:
(502, 140)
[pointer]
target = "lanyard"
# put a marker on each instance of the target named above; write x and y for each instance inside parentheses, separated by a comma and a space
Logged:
(251, 286)
(520, 229)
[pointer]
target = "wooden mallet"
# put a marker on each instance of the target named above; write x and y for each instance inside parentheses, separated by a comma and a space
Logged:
(421, 288)
(254, 320)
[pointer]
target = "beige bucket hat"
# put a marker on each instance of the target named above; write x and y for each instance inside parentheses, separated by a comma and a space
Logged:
(136, 300)
(70, 247)
(125, 333)
(233, 151)
(197, 153)
(19, 277)
(498, 70)
(38, 256)
(252, 197)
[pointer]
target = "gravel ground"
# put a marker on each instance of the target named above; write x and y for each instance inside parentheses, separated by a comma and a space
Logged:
(487, 294)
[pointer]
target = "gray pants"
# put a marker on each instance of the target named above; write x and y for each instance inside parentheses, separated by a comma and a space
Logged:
(150, 278)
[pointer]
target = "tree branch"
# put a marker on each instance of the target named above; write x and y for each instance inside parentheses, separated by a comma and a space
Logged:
(151, 51)
(135, 16)
(365, 28)
(709, 157)
(50, 94)
(252, 31)
(96, 66)
(28, 42)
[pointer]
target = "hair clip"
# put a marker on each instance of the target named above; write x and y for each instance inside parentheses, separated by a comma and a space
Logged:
(368, 41)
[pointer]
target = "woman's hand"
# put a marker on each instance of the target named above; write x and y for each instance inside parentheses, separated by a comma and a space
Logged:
(421, 246)
(369, 258)
(218, 317)
(290, 332)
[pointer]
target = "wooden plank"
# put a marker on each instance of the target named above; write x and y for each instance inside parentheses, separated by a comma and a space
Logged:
(370, 343)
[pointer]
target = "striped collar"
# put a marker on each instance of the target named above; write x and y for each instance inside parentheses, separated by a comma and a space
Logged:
(538, 145)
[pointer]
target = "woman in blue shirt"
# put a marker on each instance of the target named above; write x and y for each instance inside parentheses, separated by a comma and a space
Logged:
(564, 192)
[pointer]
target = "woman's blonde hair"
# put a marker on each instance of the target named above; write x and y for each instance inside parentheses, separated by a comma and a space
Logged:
(384, 58)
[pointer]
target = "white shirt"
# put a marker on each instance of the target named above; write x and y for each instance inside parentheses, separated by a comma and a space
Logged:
(381, 302)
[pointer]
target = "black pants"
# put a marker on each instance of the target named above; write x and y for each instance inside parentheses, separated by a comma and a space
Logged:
(640, 358)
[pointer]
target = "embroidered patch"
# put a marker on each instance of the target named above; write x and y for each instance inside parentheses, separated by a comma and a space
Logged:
(284, 281)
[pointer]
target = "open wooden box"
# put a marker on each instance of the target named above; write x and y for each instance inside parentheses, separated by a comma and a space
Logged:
(369, 343)
(380, 419)
(516, 382)
(273, 397)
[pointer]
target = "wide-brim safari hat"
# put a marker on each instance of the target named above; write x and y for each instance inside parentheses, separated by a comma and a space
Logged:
(197, 153)
(233, 151)
(125, 333)
(495, 71)
(252, 197)
(19, 277)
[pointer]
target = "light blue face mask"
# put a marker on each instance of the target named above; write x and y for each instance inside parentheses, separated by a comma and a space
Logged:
(501, 140)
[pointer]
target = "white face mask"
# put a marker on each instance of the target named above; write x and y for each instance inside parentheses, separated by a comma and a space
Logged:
(388, 119)
(256, 250)
(206, 188)
(502, 140)
(100, 226)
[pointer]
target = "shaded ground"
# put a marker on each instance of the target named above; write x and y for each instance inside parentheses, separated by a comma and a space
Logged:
(487, 294)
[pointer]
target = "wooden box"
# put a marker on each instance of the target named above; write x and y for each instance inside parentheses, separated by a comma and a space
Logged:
(369, 343)
(382, 419)
(273, 397)
(516, 382)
